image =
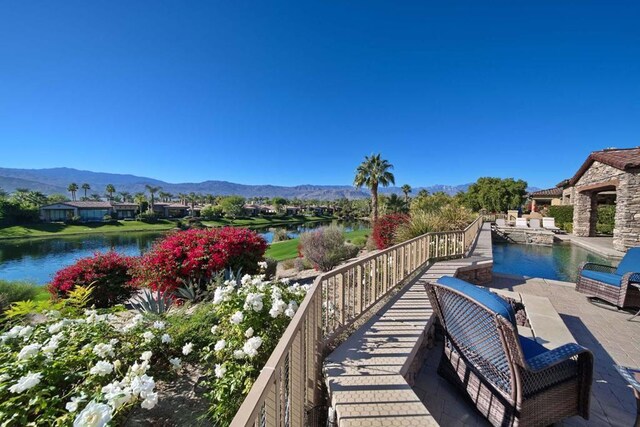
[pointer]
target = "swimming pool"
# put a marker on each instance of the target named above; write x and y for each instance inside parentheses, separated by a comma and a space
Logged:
(557, 262)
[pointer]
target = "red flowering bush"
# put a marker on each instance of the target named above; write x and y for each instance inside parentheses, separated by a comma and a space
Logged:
(109, 273)
(384, 229)
(197, 254)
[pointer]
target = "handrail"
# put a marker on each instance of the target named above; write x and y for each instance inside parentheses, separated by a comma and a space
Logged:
(290, 384)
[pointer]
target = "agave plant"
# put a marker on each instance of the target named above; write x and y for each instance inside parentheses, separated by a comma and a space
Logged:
(147, 302)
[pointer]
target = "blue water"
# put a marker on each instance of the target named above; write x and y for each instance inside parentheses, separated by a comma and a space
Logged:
(557, 262)
(37, 260)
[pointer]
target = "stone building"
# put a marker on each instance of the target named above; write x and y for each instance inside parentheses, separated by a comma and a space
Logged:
(609, 171)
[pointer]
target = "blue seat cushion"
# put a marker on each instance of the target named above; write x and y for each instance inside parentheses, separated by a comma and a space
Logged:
(630, 263)
(488, 299)
(608, 278)
(531, 348)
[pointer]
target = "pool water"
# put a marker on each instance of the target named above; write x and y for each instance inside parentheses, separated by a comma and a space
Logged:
(557, 262)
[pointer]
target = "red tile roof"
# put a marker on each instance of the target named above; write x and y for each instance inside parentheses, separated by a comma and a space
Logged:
(553, 192)
(623, 159)
(86, 204)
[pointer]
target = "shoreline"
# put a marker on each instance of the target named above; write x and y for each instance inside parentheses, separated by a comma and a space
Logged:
(161, 229)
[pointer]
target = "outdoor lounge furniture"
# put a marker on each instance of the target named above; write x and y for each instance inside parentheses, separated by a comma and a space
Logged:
(535, 223)
(511, 379)
(549, 223)
(612, 284)
(521, 223)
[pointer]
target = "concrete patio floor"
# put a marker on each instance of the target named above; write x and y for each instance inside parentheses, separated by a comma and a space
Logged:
(600, 245)
(607, 333)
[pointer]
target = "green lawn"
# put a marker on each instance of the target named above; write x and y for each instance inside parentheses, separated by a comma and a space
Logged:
(265, 221)
(288, 249)
(58, 229)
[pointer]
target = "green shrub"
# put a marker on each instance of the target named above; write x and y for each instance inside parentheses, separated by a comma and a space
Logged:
(604, 228)
(12, 291)
(606, 219)
(448, 218)
(568, 227)
(561, 214)
(148, 217)
(280, 235)
(325, 247)
(212, 212)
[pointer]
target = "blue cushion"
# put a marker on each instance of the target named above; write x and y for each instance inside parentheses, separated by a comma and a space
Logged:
(490, 300)
(600, 276)
(630, 263)
(531, 348)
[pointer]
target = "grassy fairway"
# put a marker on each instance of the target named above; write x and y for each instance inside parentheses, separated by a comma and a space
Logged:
(265, 221)
(288, 249)
(59, 229)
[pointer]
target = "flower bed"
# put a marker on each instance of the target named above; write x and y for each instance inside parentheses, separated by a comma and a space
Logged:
(93, 368)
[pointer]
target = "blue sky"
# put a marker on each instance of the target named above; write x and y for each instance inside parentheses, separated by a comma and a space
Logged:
(298, 92)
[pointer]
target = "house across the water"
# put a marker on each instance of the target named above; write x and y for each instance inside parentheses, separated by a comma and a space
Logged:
(96, 211)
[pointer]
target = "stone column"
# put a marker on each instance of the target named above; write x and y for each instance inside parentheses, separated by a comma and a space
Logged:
(626, 233)
(584, 212)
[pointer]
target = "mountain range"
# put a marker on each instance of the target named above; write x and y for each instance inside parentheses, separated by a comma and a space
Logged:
(56, 180)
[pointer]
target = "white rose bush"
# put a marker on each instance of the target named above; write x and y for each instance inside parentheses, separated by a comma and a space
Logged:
(92, 369)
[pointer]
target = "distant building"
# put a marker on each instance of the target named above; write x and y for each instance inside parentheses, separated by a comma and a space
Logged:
(171, 210)
(547, 197)
(87, 211)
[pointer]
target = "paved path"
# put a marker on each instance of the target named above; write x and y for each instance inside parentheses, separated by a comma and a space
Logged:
(600, 245)
(606, 333)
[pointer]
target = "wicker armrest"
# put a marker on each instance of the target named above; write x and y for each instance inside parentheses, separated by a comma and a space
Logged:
(631, 277)
(555, 356)
(597, 267)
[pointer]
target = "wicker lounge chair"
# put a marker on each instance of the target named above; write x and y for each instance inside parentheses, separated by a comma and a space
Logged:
(521, 223)
(549, 223)
(511, 379)
(611, 284)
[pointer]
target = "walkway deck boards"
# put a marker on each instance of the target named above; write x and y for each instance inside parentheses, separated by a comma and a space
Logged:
(365, 375)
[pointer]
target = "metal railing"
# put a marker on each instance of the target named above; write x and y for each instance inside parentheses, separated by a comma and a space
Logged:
(290, 384)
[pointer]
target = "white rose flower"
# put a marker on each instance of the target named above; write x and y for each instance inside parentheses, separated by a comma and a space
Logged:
(158, 325)
(146, 355)
(56, 327)
(93, 415)
(103, 350)
(254, 302)
(139, 369)
(14, 332)
(148, 336)
(29, 351)
(117, 364)
(246, 279)
(175, 362)
(150, 401)
(72, 405)
(237, 318)
(263, 265)
(116, 395)
(220, 370)
(291, 309)
(238, 354)
(187, 348)
(26, 382)
(220, 345)
(25, 332)
(277, 308)
(114, 341)
(142, 385)
(101, 368)
(214, 329)
(248, 333)
(166, 338)
(252, 345)
(4, 377)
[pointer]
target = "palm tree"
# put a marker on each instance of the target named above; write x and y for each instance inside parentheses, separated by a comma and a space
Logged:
(126, 196)
(72, 188)
(110, 190)
(374, 171)
(95, 197)
(152, 190)
(423, 193)
(86, 187)
(406, 189)
(140, 199)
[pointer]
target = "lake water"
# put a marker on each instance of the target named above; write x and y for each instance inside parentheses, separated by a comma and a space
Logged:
(557, 262)
(37, 260)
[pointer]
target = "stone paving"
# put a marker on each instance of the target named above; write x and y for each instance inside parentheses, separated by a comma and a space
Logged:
(607, 333)
(599, 245)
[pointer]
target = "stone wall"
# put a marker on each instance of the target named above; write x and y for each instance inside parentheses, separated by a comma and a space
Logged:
(523, 236)
(478, 275)
(626, 233)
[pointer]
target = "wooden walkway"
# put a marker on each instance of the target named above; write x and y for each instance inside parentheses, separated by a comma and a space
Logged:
(370, 376)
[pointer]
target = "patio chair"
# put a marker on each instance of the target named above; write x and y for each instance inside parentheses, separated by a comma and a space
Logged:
(500, 222)
(549, 223)
(615, 285)
(511, 379)
(521, 223)
(534, 223)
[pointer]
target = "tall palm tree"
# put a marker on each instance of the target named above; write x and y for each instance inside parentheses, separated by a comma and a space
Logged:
(140, 199)
(86, 187)
(406, 189)
(110, 189)
(374, 171)
(152, 190)
(72, 188)
(423, 193)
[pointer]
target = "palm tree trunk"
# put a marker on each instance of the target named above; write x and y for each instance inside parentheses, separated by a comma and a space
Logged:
(374, 203)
